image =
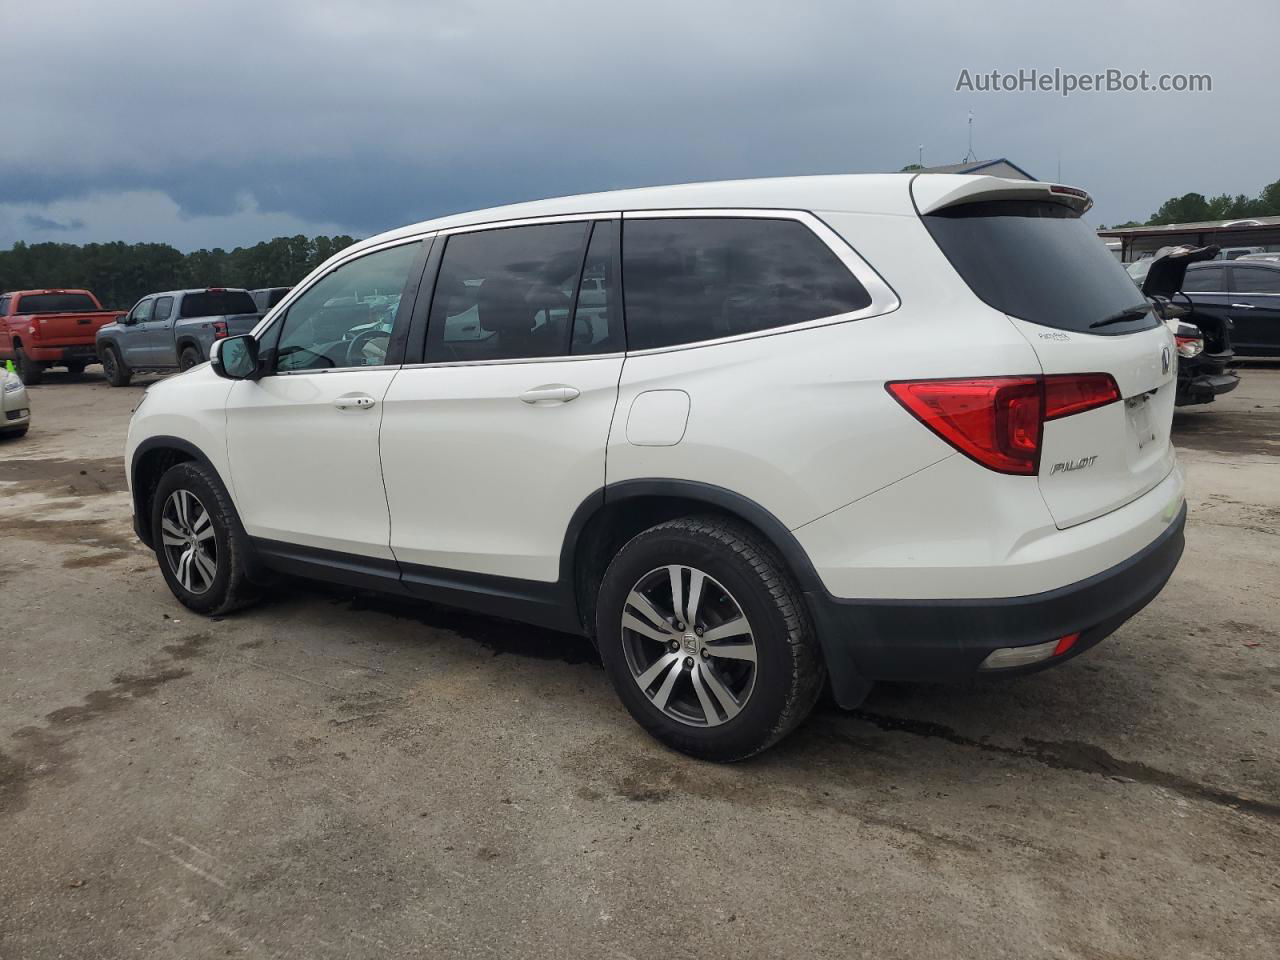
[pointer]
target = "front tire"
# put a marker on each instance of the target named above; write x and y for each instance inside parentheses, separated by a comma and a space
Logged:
(118, 375)
(30, 372)
(202, 549)
(706, 638)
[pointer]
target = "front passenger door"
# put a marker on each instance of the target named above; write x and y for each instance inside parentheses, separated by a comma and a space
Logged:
(158, 341)
(134, 342)
(303, 438)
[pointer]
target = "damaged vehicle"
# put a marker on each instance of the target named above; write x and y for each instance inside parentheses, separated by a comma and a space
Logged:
(1203, 339)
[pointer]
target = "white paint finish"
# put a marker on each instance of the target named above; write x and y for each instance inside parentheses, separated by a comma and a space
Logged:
(957, 530)
(658, 418)
(482, 481)
(192, 407)
(305, 470)
(800, 422)
(1131, 440)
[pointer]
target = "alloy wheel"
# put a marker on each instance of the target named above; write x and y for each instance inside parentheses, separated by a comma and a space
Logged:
(187, 539)
(689, 646)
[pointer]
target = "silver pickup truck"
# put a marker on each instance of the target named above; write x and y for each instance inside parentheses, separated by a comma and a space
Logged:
(173, 330)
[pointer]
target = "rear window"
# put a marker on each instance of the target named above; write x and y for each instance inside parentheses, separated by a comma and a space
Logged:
(687, 279)
(1206, 279)
(1255, 280)
(217, 303)
(56, 303)
(1038, 261)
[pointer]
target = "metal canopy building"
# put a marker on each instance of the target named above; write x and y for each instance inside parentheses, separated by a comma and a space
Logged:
(1137, 242)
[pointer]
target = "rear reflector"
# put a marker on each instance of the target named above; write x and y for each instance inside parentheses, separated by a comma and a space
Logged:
(1007, 657)
(998, 421)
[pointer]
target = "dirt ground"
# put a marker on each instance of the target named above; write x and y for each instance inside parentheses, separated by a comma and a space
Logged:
(337, 775)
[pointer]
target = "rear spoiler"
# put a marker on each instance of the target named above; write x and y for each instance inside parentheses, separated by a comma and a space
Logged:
(937, 191)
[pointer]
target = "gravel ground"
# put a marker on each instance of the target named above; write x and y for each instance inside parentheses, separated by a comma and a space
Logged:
(334, 774)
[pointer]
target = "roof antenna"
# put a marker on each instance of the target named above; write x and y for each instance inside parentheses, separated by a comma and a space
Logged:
(920, 155)
(969, 157)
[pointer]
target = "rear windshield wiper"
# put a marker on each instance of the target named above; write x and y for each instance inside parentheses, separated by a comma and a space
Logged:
(1128, 313)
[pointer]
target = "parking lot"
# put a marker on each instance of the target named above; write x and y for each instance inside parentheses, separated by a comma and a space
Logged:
(335, 774)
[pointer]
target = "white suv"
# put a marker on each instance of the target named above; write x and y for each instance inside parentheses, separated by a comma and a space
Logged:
(747, 436)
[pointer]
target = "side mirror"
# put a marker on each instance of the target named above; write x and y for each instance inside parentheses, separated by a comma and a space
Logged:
(127, 320)
(235, 358)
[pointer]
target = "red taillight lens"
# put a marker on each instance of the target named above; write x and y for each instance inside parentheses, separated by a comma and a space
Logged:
(219, 329)
(993, 420)
(1190, 346)
(999, 421)
(1065, 394)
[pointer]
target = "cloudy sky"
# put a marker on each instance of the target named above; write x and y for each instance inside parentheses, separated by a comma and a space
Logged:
(227, 122)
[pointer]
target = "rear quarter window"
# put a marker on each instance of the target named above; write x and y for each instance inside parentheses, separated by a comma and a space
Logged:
(1038, 261)
(688, 279)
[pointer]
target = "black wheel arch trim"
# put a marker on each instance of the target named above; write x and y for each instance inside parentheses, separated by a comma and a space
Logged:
(142, 516)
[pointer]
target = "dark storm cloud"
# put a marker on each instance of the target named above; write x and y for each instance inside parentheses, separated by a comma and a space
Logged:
(215, 124)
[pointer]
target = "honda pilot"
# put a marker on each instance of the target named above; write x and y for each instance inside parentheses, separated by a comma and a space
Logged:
(752, 438)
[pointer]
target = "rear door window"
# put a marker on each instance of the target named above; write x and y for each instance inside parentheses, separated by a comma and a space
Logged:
(1038, 261)
(688, 279)
(507, 294)
(1254, 280)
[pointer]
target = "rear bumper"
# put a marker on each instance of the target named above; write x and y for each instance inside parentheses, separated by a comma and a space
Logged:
(938, 640)
(1204, 387)
(87, 353)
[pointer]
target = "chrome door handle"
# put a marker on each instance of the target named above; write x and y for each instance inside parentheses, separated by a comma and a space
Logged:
(359, 402)
(550, 393)
(1243, 306)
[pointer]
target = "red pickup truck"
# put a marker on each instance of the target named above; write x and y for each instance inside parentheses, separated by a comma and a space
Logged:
(50, 328)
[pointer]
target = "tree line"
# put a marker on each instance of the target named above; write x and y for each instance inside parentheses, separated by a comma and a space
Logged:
(1196, 207)
(121, 273)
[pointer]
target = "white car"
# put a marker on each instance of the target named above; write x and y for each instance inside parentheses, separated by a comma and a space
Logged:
(853, 428)
(15, 408)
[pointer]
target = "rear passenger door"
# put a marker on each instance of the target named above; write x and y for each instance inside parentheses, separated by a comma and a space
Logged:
(495, 436)
(1255, 309)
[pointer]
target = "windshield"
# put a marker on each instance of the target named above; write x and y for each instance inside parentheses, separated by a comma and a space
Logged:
(217, 303)
(1038, 261)
(56, 303)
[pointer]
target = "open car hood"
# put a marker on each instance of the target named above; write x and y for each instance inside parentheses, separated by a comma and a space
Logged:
(1169, 269)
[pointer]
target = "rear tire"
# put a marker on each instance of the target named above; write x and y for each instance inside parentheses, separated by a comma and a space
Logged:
(118, 375)
(189, 358)
(199, 542)
(705, 688)
(30, 371)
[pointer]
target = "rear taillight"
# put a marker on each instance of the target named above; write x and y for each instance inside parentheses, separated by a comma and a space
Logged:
(219, 329)
(1189, 346)
(1077, 392)
(998, 421)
